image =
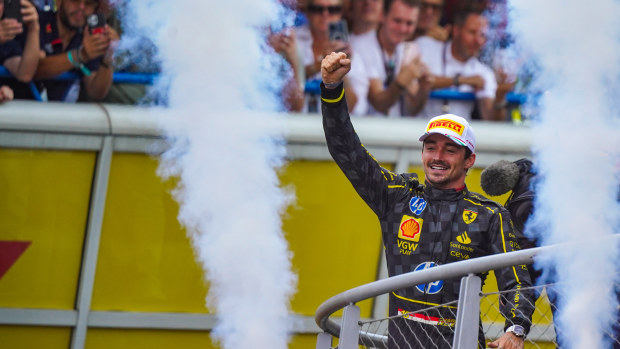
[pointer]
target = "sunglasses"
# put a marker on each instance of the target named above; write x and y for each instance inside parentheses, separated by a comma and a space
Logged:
(333, 10)
(428, 5)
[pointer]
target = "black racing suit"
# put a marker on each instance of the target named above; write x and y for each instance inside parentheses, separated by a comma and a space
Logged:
(422, 227)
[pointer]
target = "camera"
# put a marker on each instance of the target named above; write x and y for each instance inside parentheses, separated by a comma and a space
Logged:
(13, 9)
(338, 31)
(96, 23)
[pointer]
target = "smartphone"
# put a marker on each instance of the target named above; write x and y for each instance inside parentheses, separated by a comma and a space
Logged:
(338, 31)
(13, 9)
(96, 23)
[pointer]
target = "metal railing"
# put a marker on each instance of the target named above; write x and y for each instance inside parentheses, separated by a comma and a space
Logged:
(372, 333)
(311, 86)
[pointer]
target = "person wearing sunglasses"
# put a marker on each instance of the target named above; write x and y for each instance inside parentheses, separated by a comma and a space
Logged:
(314, 43)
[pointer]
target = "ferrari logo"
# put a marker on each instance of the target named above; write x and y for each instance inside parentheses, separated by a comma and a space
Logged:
(469, 216)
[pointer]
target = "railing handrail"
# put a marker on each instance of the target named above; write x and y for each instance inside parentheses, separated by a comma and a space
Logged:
(394, 283)
(311, 86)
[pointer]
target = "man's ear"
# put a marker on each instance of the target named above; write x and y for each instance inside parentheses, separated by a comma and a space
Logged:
(469, 162)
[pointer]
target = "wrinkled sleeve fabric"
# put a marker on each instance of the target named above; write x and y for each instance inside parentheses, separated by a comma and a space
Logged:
(517, 304)
(370, 180)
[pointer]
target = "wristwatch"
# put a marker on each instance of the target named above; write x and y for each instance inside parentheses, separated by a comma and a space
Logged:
(517, 330)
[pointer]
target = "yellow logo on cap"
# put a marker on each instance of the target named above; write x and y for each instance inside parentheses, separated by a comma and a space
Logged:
(447, 124)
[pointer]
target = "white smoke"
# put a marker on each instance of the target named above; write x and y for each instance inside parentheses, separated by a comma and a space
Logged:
(220, 82)
(577, 148)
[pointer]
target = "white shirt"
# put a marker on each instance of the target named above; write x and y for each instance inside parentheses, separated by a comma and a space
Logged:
(432, 54)
(304, 42)
(368, 54)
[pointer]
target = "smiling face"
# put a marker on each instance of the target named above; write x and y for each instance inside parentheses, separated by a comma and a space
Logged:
(469, 37)
(444, 162)
(398, 23)
(73, 13)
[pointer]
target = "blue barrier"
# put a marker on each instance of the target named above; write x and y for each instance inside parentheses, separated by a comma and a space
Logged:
(119, 77)
(312, 86)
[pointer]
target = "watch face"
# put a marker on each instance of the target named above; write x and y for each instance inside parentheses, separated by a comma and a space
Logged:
(518, 331)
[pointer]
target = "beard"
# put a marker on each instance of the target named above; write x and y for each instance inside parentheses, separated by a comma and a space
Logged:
(64, 19)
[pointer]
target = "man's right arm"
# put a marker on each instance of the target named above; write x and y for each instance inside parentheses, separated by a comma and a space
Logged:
(368, 178)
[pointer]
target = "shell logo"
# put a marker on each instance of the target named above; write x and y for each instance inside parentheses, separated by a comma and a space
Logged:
(410, 228)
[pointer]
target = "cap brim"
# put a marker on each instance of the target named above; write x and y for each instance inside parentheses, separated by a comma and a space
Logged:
(452, 138)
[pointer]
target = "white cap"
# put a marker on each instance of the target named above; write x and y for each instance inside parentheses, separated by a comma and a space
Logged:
(454, 127)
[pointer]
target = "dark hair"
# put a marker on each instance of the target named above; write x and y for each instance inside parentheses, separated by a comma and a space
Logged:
(468, 152)
(387, 4)
(461, 16)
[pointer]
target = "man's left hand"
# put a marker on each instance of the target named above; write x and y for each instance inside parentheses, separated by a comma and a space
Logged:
(508, 341)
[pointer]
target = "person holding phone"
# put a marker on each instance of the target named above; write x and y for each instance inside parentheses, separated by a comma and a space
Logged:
(314, 43)
(72, 45)
(10, 26)
(20, 61)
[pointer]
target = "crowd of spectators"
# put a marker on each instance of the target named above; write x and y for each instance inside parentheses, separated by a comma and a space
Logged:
(401, 51)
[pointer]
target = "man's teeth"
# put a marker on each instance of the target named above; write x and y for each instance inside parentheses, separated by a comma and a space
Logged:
(436, 167)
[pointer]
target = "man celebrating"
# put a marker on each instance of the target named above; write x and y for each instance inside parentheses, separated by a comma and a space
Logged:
(69, 45)
(426, 225)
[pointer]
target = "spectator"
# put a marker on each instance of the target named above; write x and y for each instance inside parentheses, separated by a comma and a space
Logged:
(314, 44)
(9, 27)
(365, 16)
(285, 43)
(136, 54)
(428, 224)
(71, 47)
(20, 61)
(428, 23)
(455, 64)
(393, 80)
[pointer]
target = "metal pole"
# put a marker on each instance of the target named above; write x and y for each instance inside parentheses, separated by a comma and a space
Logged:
(324, 341)
(91, 246)
(468, 313)
(350, 329)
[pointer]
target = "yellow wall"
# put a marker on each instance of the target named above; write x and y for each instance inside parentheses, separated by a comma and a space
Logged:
(335, 238)
(45, 197)
(145, 260)
(25, 337)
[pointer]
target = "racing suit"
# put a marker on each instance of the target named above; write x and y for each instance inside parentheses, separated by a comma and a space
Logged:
(422, 227)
